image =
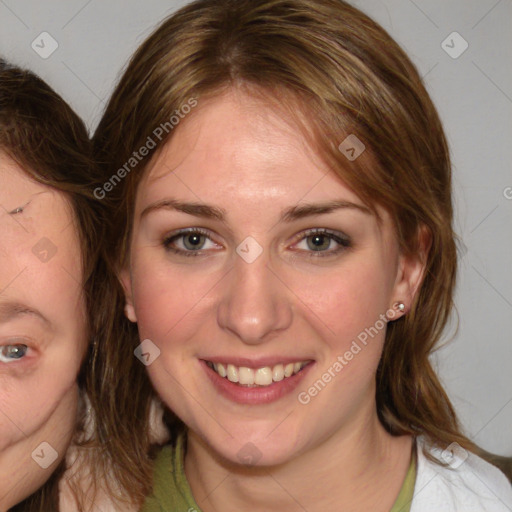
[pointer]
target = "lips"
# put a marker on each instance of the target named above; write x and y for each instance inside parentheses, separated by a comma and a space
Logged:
(250, 372)
(253, 377)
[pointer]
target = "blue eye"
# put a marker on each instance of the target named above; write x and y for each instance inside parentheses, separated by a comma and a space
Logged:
(10, 353)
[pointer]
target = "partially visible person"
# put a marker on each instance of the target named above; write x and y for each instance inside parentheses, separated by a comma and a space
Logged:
(50, 230)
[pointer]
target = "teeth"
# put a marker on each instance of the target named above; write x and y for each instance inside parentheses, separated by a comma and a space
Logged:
(232, 373)
(263, 376)
(288, 369)
(245, 375)
(278, 373)
(221, 370)
(259, 377)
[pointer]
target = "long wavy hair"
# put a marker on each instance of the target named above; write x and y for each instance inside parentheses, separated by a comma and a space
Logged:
(44, 136)
(338, 73)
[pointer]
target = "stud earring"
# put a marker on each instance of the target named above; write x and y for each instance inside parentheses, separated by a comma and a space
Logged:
(399, 306)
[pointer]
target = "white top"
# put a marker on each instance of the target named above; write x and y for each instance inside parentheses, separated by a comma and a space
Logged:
(468, 484)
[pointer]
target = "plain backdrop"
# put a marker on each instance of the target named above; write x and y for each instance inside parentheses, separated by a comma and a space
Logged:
(473, 92)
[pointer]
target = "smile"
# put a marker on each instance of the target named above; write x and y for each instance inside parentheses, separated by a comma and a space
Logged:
(253, 377)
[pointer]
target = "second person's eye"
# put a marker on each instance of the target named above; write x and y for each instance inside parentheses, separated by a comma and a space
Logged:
(10, 353)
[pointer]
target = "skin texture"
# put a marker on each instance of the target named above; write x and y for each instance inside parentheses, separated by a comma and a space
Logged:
(38, 392)
(239, 155)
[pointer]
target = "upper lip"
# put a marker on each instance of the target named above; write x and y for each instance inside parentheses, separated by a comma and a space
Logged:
(252, 362)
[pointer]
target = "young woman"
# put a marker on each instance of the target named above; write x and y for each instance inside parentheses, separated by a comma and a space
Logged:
(280, 192)
(50, 231)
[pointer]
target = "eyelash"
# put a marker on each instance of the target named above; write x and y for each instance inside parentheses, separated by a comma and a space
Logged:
(342, 240)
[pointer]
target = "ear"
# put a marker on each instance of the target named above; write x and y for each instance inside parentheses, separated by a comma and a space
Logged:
(126, 282)
(411, 270)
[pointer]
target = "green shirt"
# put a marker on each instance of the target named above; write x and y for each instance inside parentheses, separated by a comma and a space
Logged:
(171, 491)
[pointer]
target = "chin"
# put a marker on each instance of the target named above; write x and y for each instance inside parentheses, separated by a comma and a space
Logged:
(253, 446)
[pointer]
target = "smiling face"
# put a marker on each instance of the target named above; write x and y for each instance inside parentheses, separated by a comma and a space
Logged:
(254, 269)
(42, 331)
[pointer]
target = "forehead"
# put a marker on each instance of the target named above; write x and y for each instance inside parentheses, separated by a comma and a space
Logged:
(19, 189)
(16, 183)
(236, 144)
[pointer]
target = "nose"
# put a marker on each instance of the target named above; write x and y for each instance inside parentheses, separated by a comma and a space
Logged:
(255, 303)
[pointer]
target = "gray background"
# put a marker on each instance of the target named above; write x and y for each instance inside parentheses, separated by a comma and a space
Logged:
(473, 93)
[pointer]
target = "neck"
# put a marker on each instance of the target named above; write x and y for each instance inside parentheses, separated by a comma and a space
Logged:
(359, 468)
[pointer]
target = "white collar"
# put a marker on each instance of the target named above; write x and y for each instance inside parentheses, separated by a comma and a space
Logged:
(466, 484)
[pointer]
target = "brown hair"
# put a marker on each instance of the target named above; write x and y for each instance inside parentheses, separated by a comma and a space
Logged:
(42, 134)
(346, 75)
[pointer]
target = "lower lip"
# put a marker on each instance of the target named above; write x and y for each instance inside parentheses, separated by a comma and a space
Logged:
(255, 395)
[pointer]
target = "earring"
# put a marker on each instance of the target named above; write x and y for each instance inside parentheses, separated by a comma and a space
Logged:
(400, 306)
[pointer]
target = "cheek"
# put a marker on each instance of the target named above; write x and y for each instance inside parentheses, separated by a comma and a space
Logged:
(170, 302)
(15, 404)
(357, 358)
(345, 302)
(346, 309)
(29, 401)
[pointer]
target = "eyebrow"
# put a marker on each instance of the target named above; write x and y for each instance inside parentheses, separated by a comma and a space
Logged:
(12, 310)
(287, 215)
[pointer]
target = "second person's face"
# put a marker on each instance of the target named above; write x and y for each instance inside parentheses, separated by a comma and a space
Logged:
(42, 331)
